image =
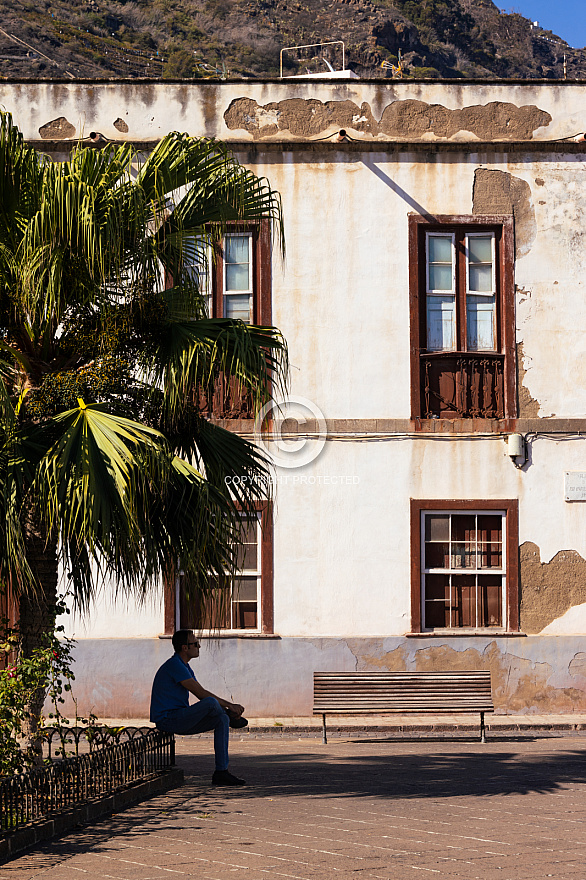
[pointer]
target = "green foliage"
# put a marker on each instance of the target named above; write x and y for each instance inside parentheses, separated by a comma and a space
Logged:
(445, 19)
(179, 64)
(424, 73)
(488, 41)
(48, 668)
(105, 370)
(218, 8)
(442, 22)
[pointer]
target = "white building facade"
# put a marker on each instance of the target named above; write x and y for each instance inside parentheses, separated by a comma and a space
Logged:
(428, 510)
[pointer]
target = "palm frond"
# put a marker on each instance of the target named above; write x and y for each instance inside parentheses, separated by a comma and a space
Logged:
(87, 247)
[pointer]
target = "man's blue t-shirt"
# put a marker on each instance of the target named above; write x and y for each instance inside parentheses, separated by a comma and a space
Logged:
(167, 693)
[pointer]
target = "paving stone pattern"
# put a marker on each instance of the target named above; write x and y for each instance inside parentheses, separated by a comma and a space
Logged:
(512, 809)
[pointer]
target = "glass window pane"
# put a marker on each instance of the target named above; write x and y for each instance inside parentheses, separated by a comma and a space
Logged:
(237, 307)
(440, 277)
(480, 278)
(441, 323)
(480, 249)
(460, 598)
(437, 614)
(244, 589)
(463, 555)
(437, 554)
(437, 586)
(244, 615)
(490, 555)
(463, 527)
(490, 527)
(464, 601)
(247, 555)
(236, 249)
(490, 594)
(480, 323)
(249, 530)
(437, 527)
(237, 276)
(463, 541)
(440, 249)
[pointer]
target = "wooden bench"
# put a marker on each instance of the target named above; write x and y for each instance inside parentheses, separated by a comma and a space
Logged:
(383, 693)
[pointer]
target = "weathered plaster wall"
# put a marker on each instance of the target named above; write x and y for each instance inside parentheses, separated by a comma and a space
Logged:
(274, 677)
(408, 119)
(527, 407)
(342, 579)
(351, 272)
(291, 110)
(113, 617)
(342, 535)
(342, 549)
(551, 299)
(549, 589)
(498, 192)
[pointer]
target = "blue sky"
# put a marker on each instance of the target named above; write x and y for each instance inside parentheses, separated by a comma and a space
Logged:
(567, 18)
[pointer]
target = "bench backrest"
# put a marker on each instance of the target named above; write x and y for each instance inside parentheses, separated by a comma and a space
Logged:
(372, 693)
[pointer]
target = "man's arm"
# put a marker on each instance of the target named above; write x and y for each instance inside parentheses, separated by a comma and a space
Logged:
(200, 692)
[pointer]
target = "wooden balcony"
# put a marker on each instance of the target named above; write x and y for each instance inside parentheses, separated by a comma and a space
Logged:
(462, 385)
(225, 400)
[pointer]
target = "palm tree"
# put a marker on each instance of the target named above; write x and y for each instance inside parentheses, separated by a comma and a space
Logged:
(109, 466)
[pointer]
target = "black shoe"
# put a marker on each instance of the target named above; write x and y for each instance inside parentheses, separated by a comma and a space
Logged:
(238, 721)
(224, 777)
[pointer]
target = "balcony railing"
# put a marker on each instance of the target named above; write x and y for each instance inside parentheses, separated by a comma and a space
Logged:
(462, 385)
(226, 400)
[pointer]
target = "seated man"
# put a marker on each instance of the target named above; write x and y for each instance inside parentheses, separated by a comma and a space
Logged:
(171, 712)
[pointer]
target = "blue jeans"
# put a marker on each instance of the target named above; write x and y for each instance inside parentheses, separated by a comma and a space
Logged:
(207, 714)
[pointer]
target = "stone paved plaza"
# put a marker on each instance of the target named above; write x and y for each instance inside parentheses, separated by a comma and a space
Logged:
(512, 809)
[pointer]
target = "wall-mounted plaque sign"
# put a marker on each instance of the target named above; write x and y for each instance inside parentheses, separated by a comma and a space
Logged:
(575, 486)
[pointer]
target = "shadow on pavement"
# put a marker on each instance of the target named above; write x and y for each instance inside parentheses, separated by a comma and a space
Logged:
(397, 776)
(373, 769)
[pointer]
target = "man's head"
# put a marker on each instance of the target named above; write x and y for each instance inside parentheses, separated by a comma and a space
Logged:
(186, 644)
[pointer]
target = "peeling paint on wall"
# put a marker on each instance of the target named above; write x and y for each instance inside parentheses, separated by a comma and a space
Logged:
(549, 589)
(57, 129)
(519, 684)
(121, 125)
(498, 192)
(528, 407)
(374, 657)
(302, 117)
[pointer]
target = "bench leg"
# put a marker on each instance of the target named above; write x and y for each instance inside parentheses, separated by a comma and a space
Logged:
(482, 728)
(324, 738)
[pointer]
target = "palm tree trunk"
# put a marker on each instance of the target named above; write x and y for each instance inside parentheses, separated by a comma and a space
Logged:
(37, 617)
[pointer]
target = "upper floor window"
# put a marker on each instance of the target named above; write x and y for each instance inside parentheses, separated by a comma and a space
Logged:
(238, 297)
(462, 341)
(236, 279)
(236, 282)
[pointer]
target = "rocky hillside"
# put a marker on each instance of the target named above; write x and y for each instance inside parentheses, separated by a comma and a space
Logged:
(233, 38)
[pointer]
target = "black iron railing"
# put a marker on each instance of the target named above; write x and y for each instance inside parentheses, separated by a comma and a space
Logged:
(105, 760)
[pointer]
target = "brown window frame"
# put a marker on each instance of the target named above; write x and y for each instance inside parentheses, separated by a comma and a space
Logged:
(511, 604)
(183, 620)
(227, 402)
(503, 227)
(261, 273)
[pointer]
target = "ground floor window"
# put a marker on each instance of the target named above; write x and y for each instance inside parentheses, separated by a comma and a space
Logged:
(240, 604)
(464, 565)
